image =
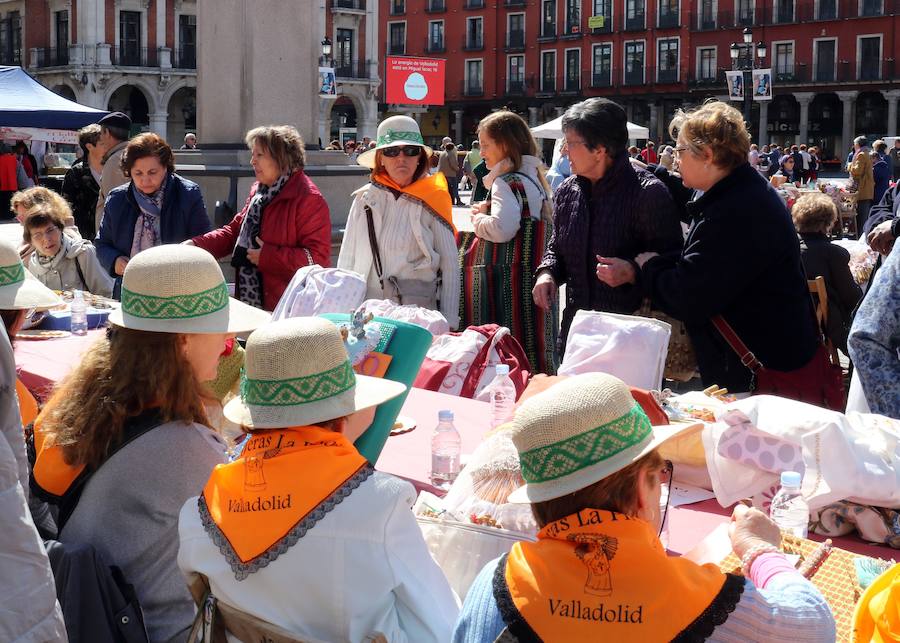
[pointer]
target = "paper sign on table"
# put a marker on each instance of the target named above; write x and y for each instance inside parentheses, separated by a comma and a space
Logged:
(686, 494)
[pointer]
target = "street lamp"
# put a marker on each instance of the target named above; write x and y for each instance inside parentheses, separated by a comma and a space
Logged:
(744, 57)
(326, 49)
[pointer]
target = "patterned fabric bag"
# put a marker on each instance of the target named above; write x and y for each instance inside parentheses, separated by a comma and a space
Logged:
(497, 280)
(681, 362)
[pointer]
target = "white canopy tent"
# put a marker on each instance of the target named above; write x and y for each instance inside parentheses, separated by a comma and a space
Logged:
(553, 129)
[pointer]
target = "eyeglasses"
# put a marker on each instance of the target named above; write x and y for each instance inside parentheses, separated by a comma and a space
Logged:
(408, 150)
(681, 149)
(568, 143)
(665, 478)
(50, 233)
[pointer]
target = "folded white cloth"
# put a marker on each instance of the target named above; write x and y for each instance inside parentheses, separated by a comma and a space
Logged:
(431, 320)
(315, 290)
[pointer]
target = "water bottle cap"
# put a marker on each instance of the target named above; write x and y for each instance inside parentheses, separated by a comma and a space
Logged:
(502, 369)
(445, 416)
(790, 479)
(78, 294)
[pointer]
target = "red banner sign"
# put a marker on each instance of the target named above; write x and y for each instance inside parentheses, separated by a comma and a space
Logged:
(414, 81)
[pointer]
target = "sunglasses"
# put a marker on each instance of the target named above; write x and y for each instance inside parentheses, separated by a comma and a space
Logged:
(408, 150)
(665, 478)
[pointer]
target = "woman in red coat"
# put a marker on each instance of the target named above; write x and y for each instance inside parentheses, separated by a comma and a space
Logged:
(284, 225)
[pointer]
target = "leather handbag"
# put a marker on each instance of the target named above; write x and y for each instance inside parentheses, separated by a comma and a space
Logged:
(404, 291)
(819, 382)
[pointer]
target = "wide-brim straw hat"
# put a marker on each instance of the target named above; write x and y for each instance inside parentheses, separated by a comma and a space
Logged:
(580, 431)
(19, 289)
(181, 289)
(396, 131)
(297, 372)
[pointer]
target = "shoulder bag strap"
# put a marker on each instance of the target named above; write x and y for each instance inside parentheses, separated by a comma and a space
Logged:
(747, 357)
(81, 275)
(373, 242)
(521, 195)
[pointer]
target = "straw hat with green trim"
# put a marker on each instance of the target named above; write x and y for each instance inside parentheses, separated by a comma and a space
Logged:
(396, 131)
(19, 289)
(180, 289)
(579, 432)
(297, 372)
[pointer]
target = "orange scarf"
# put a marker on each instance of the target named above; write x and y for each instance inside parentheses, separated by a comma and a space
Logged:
(28, 406)
(431, 190)
(283, 483)
(600, 575)
(51, 472)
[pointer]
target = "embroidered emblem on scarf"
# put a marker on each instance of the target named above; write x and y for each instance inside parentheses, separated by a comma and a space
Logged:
(600, 574)
(283, 483)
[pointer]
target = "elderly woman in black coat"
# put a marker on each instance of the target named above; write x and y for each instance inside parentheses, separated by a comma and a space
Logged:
(741, 259)
(604, 216)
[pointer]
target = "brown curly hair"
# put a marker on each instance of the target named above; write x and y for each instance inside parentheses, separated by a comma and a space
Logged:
(814, 213)
(144, 145)
(717, 126)
(282, 142)
(121, 376)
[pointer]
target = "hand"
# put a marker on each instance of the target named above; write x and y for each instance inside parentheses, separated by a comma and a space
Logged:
(479, 208)
(749, 528)
(881, 239)
(644, 257)
(615, 272)
(188, 242)
(544, 291)
(121, 262)
(253, 253)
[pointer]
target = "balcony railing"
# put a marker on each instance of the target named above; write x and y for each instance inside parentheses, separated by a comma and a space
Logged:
(52, 57)
(667, 76)
(514, 3)
(471, 43)
(669, 20)
(515, 40)
(548, 32)
(436, 6)
(635, 23)
(785, 12)
(602, 78)
(634, 76)
(398, 7)
(708, 78)
(471, 88)
(548, 85)
(606, 28)
(802, 74)
(435, 45)
(396, 49)
(706, 20)
(361, 70)
(514, 86)
(571, 83)
(353, 5)
(134, 57)
(185, 58)
(573, 31)
(474, 4)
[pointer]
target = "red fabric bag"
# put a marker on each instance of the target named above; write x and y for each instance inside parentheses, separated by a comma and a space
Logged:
(820, 382)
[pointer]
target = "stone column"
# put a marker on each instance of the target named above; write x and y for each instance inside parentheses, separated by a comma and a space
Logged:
(161, 25)
(892, 97)
(533, 117)
(847, 100)
(159, 122)
(763, 123)
(458, 125)
(654, 122)
(804, 98)
(323, 121)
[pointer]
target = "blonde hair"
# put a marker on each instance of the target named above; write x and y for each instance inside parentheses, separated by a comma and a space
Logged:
(39, 196)
(717, 126)
(282, 142)
(814, 213)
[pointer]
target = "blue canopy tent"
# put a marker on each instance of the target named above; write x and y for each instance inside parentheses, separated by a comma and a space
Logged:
(24, 102)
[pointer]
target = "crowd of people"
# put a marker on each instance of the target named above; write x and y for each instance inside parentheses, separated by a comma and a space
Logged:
(694, 230)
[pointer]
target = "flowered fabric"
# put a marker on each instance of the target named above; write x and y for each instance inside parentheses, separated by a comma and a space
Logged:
(875, 339)
(875, 524)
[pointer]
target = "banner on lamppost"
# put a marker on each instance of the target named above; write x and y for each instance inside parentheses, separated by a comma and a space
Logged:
(414, 81)
(735, 82)
(327, 84)
(762, 84)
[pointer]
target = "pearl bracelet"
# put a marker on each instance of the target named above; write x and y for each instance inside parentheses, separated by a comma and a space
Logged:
(753, 553)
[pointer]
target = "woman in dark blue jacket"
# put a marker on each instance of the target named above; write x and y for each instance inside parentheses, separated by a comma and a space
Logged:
(155, 208)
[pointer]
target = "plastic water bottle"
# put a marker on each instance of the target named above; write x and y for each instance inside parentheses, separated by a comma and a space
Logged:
(79, 314)
(446, 448)
(789, 509)
(503, 396)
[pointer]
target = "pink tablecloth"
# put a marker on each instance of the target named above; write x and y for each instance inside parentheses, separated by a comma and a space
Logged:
(41, 364)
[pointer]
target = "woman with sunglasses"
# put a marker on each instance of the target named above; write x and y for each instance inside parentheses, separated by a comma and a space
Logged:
(400, 233)
(598, 571)
(284, 226)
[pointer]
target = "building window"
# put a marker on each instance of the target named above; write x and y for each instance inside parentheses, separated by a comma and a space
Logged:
(634, 63)
(826, 9)
(548, 19)
(784, 60)
(706, 64)
(871, 8)
(634, 14)
(474, 78)
(11, 39)
(474, 33)
(61, 20)
(398, 7)
(515, 78)
(343, 53)
(573, 70)
(129, 38)
(707, 14)
(573, 16)
(869, 58)
(187, 36)
(601, 72)
(744, 11)
(784, 11)
(603, 9)
(397, 38)
(823, 59)
(667, 60)
(515, 31)
(548, 71)
(436, 35)
(668, 14)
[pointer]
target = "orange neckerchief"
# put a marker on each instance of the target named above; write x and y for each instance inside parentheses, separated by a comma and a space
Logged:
(431, 190)
(601, 575)
(51, 472)
(28, 406)
(284, 481)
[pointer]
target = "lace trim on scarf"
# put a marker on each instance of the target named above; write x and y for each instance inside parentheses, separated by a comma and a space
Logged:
(243, 570)
(716, 613)
(516, 626)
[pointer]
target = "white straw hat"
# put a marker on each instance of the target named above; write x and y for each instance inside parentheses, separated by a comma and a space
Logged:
(19, 289)
(297, 372)
(180, 289)
(579, 432)
(396, 131)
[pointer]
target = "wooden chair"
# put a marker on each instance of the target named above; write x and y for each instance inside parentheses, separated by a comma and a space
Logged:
(820, 297)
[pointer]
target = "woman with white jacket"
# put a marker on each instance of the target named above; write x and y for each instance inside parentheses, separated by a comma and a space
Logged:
(512, 229)
(400, 234)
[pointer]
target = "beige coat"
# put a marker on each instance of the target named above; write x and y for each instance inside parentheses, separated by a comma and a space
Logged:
(861, 171)
(112, 177)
